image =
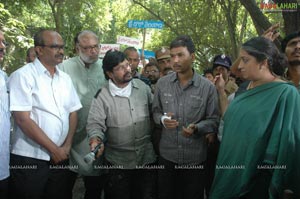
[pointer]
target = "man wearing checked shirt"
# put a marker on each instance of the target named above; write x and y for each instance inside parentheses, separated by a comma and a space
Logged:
(186, 104)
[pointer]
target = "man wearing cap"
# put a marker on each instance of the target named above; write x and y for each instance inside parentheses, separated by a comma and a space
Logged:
(290, 45)
(221, 65)
(164, 61)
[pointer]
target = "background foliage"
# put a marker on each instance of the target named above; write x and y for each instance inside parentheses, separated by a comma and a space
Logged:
(216, 26)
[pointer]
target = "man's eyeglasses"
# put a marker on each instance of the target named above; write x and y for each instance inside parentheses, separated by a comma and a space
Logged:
(55, 47)
(152, 71)
(123, 67)
(95, 47)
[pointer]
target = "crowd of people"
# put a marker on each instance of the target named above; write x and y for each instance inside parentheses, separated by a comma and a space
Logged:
(164, 132)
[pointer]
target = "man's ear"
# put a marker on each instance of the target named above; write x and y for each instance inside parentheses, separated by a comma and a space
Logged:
(38, 50)
(77, 48)
(109, 74)
(193, 57)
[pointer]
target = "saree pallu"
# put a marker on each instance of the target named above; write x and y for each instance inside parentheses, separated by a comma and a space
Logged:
(261, 135)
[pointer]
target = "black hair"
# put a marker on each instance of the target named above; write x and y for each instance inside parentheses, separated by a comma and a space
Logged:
(130, 49)
(286, 40)
(111, 59)
(207, 71)
(151, 64)
(183, 41)
(264, 49)
(39, 38)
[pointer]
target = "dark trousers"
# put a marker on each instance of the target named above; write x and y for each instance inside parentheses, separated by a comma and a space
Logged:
(130, 184)
(94, 185)
(4, 188)
(156, 135)
(60, 181)
(38, 179)
(210, 165)
(175, 183)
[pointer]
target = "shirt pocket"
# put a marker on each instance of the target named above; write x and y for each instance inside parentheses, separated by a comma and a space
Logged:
(142, 110)
(195, 110)
(168, 104)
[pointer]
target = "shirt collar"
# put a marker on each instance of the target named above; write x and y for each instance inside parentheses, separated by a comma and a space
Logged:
(194, 81)
(42, 69)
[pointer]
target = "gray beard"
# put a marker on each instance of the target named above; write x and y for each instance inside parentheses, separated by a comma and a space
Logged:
(86, 59)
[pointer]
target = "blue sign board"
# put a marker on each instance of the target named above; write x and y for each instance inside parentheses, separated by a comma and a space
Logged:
(145, 24)
(148, 54)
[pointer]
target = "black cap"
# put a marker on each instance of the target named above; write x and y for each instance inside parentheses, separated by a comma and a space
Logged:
(222, 60)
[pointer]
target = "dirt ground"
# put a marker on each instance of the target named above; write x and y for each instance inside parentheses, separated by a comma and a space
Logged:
(78, 190)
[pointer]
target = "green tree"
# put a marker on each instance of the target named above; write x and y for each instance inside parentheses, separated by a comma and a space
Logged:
(15, 36)
(66, 16)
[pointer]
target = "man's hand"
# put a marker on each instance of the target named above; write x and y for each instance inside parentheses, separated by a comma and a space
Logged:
(170, 123)
(272, 32)
(210, 139)
(189, 130)
(93, 143)
(59, 154)
(219, 82)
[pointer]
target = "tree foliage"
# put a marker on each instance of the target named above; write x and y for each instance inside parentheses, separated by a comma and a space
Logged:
(216, 27)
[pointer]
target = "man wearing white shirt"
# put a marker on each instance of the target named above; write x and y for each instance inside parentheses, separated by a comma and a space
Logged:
(44, 104)
(4, 126)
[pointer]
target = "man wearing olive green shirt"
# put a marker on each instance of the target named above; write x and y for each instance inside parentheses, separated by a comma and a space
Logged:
(87, 75)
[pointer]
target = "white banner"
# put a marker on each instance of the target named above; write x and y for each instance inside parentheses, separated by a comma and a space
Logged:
(106, 47)
(128, 41)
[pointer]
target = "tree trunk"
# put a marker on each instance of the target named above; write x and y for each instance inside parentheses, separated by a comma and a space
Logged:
(56, 8)
(291, 19)
(231, 15)
(260, 21)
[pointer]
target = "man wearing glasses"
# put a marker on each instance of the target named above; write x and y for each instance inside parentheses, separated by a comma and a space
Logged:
(163, 58)
(87, 75)
(43, 102)
(120, 113)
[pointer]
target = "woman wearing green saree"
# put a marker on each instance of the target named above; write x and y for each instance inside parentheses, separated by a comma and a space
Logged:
(259, 155)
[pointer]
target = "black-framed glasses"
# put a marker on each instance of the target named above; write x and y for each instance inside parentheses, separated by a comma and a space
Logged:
(55, 47)
(120, 67)
(95, 47)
